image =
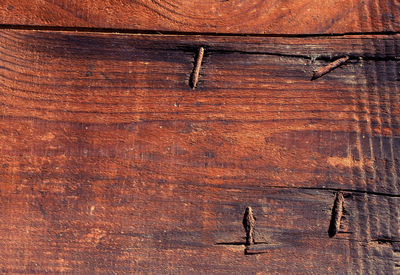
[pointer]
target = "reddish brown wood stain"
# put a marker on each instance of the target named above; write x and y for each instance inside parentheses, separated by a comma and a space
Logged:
(111, 163)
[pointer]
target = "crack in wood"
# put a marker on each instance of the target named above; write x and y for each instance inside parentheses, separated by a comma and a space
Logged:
(166, 32)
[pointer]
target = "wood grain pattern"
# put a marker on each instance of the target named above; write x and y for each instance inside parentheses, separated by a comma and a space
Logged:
(221, 16)
(111, 163)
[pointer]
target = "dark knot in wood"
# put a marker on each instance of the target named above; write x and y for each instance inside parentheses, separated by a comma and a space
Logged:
(249, 224)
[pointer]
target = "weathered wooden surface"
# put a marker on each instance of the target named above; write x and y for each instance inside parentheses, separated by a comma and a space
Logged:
(220, 16)
(111, 163)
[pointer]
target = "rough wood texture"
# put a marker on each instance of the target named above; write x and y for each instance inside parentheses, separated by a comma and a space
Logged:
(111, 163)
(220, 16)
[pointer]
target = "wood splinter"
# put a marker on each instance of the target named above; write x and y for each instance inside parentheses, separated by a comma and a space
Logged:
(194, 79)
(337, 212)
(331, 66)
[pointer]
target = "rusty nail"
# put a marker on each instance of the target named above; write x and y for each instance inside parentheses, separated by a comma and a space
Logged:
(249, 223)
(337, 212)
(331, 66)
(196, 71)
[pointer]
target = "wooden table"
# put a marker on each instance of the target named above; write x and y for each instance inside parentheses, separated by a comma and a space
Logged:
(112, 164)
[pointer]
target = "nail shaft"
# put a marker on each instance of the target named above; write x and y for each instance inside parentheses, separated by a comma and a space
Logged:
(197, 67)
(337, 212)
(249, 223)
(331, 66)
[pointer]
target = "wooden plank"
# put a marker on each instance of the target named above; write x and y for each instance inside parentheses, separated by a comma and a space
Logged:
(115, 226)
(110, 162)
(239, 17)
